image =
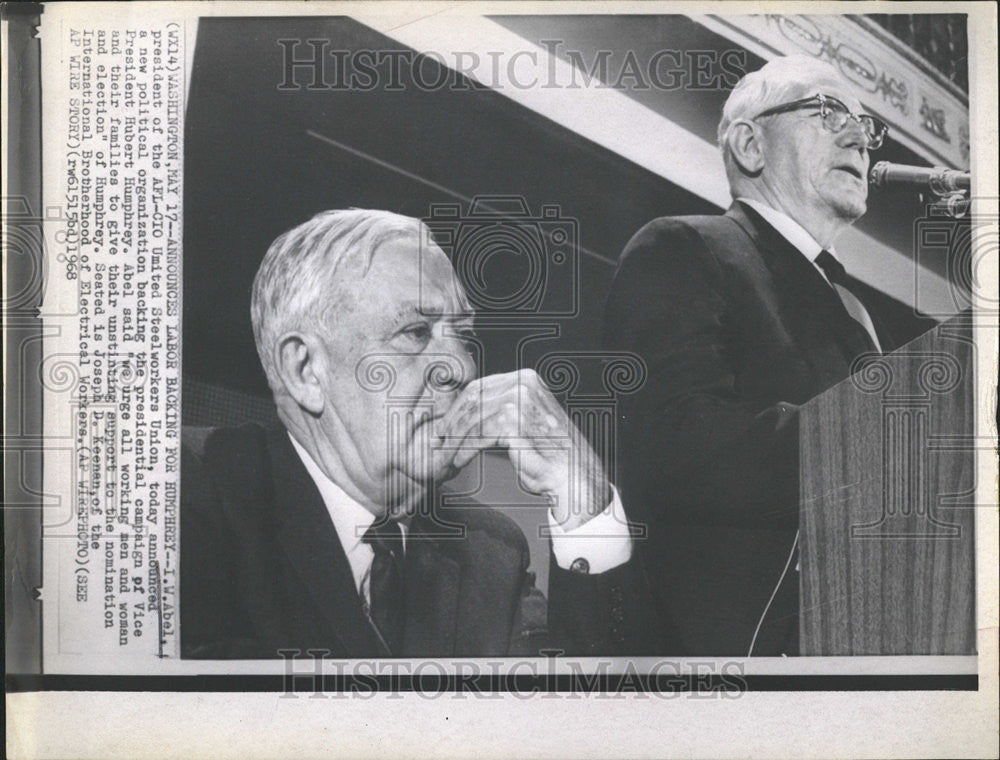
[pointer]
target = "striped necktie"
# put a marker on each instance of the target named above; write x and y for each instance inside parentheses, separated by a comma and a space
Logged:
(386, 583)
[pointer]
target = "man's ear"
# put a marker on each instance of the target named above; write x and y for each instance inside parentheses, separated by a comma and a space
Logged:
(746, 146)
(298, 358)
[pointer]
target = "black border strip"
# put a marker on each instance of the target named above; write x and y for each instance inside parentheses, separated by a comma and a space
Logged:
(23, 288)
(432, 684)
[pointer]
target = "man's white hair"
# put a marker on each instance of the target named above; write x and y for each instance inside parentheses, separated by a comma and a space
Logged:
(296, 286)
(778, 81)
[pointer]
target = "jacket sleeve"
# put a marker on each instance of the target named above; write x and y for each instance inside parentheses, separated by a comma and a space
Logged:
(686, 438)
(607, 614)
(212, 619)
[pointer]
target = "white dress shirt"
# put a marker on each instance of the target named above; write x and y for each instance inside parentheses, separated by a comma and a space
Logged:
(804, 243)
(604, 542)
(350, 520)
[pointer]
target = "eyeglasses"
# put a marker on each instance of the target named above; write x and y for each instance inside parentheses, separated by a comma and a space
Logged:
(835, 116)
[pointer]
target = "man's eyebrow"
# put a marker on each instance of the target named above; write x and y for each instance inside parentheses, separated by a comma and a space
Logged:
(435, 310)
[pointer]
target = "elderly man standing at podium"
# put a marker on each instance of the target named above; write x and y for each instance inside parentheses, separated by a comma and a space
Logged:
(742, 317)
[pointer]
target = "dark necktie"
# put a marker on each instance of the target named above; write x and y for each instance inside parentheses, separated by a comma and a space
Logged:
(849, 297)
(385, 582)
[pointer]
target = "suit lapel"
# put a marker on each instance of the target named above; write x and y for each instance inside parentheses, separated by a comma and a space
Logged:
(806, 292)
(312, 547)
(433, 582)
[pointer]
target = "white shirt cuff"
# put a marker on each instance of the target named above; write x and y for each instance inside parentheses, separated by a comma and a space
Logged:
(603, 542)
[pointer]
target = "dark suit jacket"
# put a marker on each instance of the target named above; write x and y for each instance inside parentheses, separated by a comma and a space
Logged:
(731, 320)
(262, 570)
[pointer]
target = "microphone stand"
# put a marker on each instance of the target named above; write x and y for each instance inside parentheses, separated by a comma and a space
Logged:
(954, 204)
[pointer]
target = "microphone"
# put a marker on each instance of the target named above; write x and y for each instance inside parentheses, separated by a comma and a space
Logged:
(939, 179)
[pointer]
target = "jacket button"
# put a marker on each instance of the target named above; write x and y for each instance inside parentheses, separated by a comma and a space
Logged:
(580, 565)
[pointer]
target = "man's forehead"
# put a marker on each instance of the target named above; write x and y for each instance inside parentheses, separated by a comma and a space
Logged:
(407, 278)
(833, 86)
(412, 254)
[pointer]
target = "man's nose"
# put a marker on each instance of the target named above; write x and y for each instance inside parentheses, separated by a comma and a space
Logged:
(853, 136)
(451, 367)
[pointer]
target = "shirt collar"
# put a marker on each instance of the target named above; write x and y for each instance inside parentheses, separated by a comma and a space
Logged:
(789, 229)
(350, 519)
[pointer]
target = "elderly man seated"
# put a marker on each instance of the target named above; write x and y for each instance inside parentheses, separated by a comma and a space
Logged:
(332, 534)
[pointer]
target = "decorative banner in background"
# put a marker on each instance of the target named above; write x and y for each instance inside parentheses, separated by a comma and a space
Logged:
(926, 112)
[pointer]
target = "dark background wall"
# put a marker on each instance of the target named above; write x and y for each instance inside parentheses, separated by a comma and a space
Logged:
(259, 160)
(252, 170)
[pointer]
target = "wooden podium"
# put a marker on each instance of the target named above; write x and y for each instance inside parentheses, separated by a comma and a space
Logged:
(887, 549)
